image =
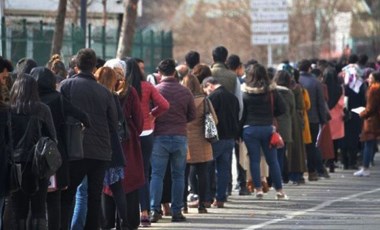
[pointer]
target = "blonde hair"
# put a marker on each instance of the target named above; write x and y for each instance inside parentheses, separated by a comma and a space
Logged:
(107, 77)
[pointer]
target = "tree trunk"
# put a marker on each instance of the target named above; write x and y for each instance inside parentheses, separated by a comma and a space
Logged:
(59, 27)
(127, 29)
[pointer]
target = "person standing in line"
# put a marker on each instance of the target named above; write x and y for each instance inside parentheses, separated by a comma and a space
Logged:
(170, 142)
(262, 103)
(226, 107)
(30, 117)
(371, 127)
(84, 92)
(5, 69)
(317, 117)
(60, 109)
(199, 151)
(152, 104)
(233, 63)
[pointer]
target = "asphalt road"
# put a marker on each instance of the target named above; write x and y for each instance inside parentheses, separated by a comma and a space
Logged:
(341, 202)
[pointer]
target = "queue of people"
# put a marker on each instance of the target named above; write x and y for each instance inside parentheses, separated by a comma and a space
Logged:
(144, 143)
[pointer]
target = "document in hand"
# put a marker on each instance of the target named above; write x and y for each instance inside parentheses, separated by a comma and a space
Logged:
(358, 110)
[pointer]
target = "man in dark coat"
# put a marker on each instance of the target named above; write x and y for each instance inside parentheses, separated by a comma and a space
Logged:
(317, 116)
(226, 107)
(84, 92)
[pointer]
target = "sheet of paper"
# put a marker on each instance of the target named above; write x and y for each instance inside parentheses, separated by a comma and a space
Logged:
(358, 110)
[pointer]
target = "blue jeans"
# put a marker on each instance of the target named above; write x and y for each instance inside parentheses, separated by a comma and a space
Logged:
(165, 148)
(256, 138)
(222, 151)
(281, 157)
(80, 210)
(368, 152)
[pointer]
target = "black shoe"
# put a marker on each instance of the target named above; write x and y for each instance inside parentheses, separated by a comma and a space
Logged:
(178, 217)
(244, 192)
(154, 216)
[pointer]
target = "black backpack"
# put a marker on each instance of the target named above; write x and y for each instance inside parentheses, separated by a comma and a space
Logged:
(47, 159)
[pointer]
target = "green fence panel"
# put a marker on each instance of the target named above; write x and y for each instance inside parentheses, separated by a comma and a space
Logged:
(18, 42)
(42, 41)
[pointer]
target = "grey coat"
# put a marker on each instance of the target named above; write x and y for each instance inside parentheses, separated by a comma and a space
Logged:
(285, 120)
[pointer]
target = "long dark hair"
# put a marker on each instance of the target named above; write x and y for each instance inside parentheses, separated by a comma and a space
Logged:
(334, 88)
(24, 94)
(134, 75)
(257, 77)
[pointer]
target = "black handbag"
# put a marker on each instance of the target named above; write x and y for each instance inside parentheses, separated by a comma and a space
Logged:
(14, 169)
(73, 136)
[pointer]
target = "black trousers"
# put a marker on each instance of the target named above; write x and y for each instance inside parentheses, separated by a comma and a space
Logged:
(95, 170)
(242, 174)
(132, 209)
(314, 156)
(32, 194)
(112, 204)
(203, 186)
(54, 210)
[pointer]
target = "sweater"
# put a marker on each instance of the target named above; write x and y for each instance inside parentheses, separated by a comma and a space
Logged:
(181, 110)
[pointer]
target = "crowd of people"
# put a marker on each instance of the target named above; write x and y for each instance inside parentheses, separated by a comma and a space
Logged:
(145, 154)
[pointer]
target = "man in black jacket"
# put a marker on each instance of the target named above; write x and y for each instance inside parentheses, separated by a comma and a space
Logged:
(84, 92)
(226, 107)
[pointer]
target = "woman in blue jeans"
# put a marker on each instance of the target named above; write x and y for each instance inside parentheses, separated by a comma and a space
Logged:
(371, 126)
(261, 104)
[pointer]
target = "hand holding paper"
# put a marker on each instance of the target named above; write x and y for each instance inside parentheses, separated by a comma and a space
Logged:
(358, 110)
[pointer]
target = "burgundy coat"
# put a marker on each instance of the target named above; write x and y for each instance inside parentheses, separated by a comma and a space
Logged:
(134, 169)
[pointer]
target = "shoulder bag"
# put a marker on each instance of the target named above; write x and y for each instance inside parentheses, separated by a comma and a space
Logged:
(122, 127)
(73, 136)
(211, 131)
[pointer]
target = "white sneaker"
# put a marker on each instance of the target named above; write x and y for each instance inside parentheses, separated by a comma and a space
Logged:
(362, 172)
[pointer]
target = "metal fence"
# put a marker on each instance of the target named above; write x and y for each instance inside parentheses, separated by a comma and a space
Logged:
(34, 39)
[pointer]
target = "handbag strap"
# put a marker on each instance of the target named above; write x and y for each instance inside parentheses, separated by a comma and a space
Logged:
(206, 105)
(272, 109)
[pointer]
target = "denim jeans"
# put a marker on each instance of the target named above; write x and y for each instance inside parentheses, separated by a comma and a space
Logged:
(368, 152)
(281, 158)
(165, 148)
(222, 152)
(2, 202)
(80, 209)
(257, 138)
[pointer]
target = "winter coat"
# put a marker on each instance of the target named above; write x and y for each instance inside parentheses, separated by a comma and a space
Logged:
(371, 114)
(296, 151)
(318, 109)
(134, 168)
(284, 121)
(337, 122)
(84, 92)
(226, 77)
(60, 108)
(258, 109)
(199, 149)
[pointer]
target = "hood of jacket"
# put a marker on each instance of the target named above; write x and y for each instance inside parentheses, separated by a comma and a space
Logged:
(256, 90)
(45, 78)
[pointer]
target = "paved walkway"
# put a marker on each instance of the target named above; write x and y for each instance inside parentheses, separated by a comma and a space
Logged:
(341, 202)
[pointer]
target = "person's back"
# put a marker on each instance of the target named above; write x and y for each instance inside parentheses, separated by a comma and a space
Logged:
(225, 77)
(94, 99)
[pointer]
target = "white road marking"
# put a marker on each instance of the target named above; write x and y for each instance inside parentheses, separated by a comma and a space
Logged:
(316, 208)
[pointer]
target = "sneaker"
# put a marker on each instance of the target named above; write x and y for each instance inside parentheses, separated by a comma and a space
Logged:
(362, 172)
(281, 196)
(144, 221)
(154, 216)
(259, 195)
(178, 217)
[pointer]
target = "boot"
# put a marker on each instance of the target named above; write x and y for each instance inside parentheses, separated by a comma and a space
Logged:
(20, 225)
(39, 224)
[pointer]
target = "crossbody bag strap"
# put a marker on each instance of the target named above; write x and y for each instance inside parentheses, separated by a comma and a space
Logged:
(10, 133)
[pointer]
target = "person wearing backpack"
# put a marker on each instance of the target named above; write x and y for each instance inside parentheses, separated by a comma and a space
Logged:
(60, 109)
(29, 115)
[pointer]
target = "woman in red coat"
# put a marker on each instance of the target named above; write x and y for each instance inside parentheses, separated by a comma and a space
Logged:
(134, 169)
(371, 125)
